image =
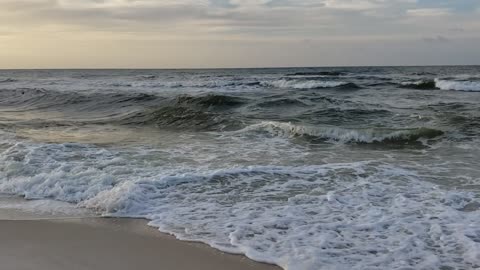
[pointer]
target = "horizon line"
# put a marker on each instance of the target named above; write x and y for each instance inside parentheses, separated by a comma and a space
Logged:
(220, 68)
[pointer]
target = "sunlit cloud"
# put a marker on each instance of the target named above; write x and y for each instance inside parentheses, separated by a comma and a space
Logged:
(293, 21)
(429, 12)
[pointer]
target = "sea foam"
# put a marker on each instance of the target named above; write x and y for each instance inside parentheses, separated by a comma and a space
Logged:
(285, 129)
(360, 215)
(304, 84)
(473, 86)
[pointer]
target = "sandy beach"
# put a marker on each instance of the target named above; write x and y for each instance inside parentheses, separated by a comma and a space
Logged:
(104, 244)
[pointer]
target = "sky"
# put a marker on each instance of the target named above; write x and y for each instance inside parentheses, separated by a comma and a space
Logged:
(237, 33)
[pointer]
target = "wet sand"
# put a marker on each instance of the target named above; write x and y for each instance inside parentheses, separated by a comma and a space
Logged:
(106, 244)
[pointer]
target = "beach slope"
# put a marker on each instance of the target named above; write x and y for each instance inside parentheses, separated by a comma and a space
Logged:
(106, 244)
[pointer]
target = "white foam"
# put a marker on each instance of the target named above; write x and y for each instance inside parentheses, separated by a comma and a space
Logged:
(418, 82)
(472, 86)
(361, 215)
(335, 216)
(283, 129)
(303, 84)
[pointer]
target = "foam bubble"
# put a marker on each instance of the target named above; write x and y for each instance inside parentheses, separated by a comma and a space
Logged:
(473, 86)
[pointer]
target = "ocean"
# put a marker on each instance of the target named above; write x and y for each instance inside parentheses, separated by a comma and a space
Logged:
(306, 168)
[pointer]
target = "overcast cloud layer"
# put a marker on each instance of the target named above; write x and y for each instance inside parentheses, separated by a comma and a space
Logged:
(237, 33)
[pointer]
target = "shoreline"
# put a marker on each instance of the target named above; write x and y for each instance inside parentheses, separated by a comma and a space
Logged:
(107, 244)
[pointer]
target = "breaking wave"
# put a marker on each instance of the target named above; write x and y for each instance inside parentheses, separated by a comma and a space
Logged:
(308, 84)
(444, 84)
(422, 85)
(344, 135)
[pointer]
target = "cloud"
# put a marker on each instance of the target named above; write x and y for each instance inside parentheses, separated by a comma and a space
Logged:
(338, 22)
(255, 18)
(459, 6)
(456, 29)
(436, 39)
(222, 3)
(290, 3)
(426, 12)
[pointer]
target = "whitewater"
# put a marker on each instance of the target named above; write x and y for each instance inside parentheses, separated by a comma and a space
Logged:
(305, 168)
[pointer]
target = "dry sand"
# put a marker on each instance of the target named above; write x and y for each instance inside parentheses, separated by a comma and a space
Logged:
(106, 244)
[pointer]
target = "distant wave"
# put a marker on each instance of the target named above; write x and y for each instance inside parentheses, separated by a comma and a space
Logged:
(192, 112)
(40, 97)
(464, 85)
(37, 98)
(282, 102)
(8, 80)
(147, 77)
(319, 73)
(201, 113)
(422, 73)
(206, 112)
(308, 84)
(422, 84)
(151, 82)
(377, 78)
(443, 84)
(344, 135)
(210, 100)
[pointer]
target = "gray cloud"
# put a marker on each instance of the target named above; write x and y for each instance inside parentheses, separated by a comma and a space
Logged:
(436, 39)
(307, 18)
(315, 27)
(456, 29)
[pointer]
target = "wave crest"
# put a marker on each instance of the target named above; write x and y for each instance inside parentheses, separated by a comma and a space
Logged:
(200, 112)
(444, 84)
(344, 135)
(319, 73)
(308, 84)
(422, 85)
(211, 100)
(283, 102)
(8, 80)
(190, 112)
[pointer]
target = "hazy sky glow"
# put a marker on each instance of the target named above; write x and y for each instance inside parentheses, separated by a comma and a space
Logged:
(237, 33)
